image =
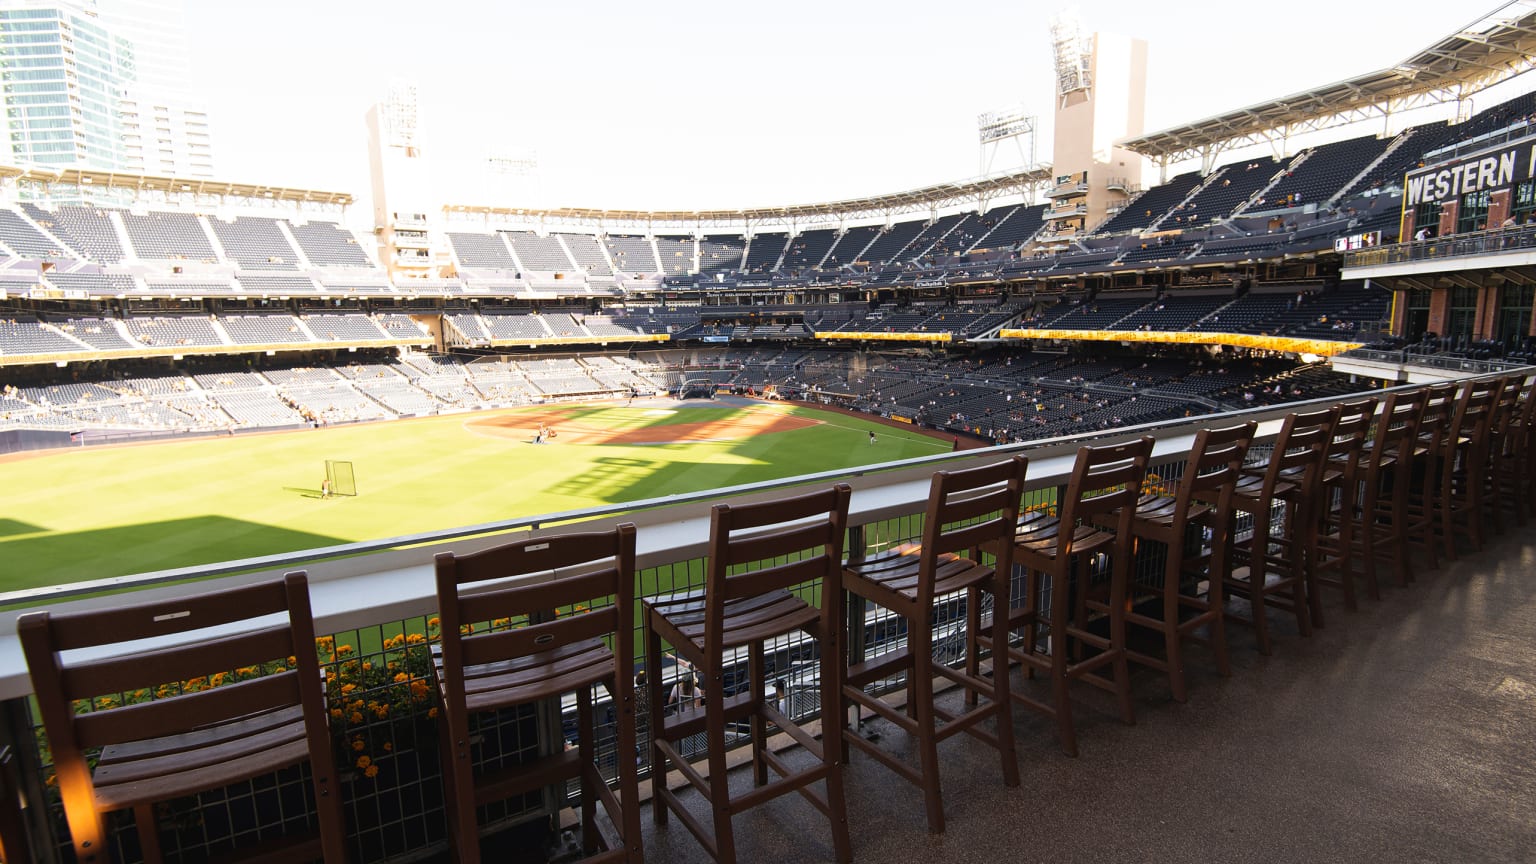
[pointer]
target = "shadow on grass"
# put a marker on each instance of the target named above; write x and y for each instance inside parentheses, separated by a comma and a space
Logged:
(13, 527)
(78, 556)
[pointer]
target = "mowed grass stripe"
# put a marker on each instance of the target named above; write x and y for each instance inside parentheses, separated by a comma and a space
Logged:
(93, 513)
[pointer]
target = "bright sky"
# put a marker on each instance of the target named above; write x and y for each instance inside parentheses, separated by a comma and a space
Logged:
(694, 104)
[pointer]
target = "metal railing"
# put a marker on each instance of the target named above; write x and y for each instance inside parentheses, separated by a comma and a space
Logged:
(1497, 241)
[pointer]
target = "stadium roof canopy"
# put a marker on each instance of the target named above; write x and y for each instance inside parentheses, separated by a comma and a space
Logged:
(1493, 49)
(928, 198)
(170, 187)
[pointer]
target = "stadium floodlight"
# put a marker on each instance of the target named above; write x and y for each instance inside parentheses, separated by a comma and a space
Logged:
(1074, 55)
(518, 164)
(399, 110)
(995, 125)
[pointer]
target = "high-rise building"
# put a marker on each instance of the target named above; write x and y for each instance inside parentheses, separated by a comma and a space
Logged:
(63, 75)
(101, 85)
(165, 123)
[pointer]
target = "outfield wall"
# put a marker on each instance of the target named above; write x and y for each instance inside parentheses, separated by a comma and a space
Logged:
(22, 440)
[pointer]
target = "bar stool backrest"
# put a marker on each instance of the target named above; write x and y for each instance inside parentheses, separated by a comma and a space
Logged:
(567, 588)
(61, 683)
(1474, 412)
(1105, 480)
(1351, 430)
(970, 509)
(1397, 428)
(1300, 448)
(1215, 461)
(759, 548)
(1403, 409)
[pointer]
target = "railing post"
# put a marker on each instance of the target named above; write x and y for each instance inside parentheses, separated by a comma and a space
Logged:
(857, 617)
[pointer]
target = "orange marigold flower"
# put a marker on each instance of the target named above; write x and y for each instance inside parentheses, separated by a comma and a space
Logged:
(357, 744)
(432, 712)
(356, 717)
(364, 761)
(389, 746)
(371, 771)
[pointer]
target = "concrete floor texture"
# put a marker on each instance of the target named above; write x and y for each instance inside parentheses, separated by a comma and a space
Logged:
(1403, 732)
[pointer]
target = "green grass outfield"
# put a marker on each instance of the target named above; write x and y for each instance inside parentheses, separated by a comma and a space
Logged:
(92, 513)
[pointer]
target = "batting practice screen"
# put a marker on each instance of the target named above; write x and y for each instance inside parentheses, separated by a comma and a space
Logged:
(340, 478)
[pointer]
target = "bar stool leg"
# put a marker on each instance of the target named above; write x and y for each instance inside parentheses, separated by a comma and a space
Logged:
(584, 739)
(757, 678)
(658, 718)
(1118, 581)
(1173, 640)
(920, 642)
(719, 780)
(832, 742)
(1060, 690)
(1001, 695)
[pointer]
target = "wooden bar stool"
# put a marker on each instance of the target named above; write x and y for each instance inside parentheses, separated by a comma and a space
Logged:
(1332, 538)
(191, 741)
(1270, 568)
(757, 552)
(1464, 465)
(555, 590)
(1415, 528)
(1202, 503)
(1060, 551)
(1374, 521)
(1502, 489)
(970, 511)
(1512, 461)
(1424, 503)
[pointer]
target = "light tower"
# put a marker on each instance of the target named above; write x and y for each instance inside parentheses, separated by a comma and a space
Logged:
(511, 175)
(400, 185)
(1100, 99)
(996, 128)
